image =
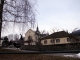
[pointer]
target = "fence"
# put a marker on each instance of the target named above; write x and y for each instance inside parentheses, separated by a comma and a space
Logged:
(58, 47)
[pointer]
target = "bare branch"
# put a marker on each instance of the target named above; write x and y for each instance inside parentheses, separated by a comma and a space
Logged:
(19, 11)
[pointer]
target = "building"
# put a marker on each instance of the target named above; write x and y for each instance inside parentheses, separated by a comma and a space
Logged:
(60, 37)
(32, 37)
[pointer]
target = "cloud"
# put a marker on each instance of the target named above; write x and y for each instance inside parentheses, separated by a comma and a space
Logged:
(62, 14)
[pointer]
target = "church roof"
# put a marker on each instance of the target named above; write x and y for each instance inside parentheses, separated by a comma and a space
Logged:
(37, 32)
(30, 30)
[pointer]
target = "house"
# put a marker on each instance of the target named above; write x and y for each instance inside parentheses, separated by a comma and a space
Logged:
(32, 37)
(60, 37)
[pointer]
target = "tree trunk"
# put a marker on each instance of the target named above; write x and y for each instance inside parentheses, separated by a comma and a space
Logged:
(1, 11)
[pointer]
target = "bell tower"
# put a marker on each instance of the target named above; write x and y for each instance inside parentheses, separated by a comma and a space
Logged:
(37, 30)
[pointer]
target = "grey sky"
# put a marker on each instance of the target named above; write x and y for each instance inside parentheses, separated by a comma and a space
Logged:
(60, 14)
(56, 14)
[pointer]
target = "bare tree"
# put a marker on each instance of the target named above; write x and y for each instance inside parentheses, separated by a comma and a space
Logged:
(43, 32)
(16, 37)
(75, 29)
(1, 11)
(19, 12)
(54, 30)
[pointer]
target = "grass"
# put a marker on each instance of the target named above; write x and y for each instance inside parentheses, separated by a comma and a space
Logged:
(31, 56)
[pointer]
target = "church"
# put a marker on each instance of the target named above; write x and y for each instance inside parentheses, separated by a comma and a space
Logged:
(32, 37)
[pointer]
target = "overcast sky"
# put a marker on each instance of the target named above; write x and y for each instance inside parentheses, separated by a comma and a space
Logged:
(58, 14)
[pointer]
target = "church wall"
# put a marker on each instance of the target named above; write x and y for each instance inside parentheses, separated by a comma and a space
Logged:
(32, 34)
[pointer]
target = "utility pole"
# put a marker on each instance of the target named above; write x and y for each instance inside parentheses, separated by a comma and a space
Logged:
(1, 11)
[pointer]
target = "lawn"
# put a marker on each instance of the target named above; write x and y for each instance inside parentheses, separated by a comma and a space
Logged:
(31, 56)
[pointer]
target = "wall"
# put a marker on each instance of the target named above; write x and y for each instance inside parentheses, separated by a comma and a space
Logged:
(32, 34)
(58, 47)
(62, 41)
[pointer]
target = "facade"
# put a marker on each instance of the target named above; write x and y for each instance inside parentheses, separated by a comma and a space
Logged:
(61, 37)
(32, 37)
(30, 34)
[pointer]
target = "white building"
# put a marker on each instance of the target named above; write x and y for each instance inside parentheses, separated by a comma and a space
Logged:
(32, 37)
(60, 37)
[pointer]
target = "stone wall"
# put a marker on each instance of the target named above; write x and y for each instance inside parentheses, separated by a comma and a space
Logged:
(57, 47)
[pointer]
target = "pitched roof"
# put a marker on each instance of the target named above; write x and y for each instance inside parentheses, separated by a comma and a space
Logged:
(57, 35)
(30, 30)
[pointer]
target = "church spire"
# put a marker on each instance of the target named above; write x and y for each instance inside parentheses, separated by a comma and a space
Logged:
(37, 30)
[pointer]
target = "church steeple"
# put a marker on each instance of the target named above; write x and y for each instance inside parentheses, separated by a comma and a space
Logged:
(37, 30)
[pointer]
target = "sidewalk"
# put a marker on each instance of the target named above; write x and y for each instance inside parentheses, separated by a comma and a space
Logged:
(17, 49)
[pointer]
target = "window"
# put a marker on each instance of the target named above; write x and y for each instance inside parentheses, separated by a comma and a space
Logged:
(52, 41)
(57, 40)
(68, 39)
(29, 37)
(45, 41)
